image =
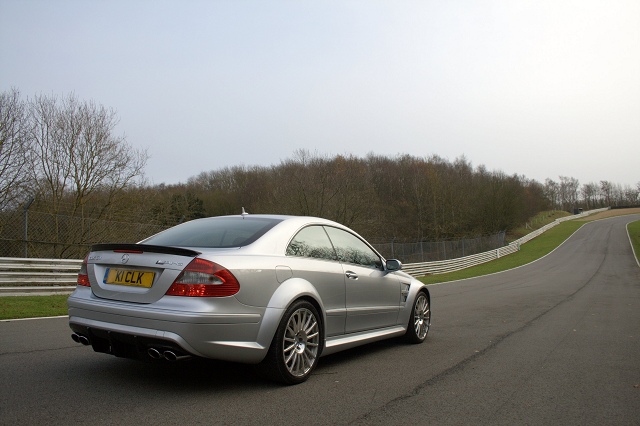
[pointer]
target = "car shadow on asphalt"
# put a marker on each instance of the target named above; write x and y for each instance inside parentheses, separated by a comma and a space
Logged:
(186, 375)
(204, 374)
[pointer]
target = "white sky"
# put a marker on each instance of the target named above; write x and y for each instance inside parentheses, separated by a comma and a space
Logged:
(539, 88)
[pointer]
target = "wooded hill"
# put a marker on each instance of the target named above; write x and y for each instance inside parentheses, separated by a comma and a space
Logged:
(402, 198)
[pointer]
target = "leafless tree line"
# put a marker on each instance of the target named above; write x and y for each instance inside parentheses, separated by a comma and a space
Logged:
(59, 155)
(14, 149)
(62, 155)
(63, 152)
(567, 194)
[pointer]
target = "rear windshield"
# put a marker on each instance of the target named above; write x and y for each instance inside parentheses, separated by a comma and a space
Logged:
(218, 232)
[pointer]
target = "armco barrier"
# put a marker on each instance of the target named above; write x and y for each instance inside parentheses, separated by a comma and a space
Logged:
(443, 266)
(55, 275)
(33, 272)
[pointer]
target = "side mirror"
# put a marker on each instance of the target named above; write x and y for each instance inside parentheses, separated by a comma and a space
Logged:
(394, 265)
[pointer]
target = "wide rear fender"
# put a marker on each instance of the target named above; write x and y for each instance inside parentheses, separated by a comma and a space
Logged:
(286, 293)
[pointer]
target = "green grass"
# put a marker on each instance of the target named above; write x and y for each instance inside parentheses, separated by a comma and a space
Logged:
(534, 249)
(12, 307)
(536, 222)
(634, 233)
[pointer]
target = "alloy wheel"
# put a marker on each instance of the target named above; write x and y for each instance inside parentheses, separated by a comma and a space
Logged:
(301, 342)
(421, 316)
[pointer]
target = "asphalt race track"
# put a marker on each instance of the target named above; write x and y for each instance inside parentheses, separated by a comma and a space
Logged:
(553, 342)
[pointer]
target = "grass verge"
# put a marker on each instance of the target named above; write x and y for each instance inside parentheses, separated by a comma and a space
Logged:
(634, 233)
(534, 249)
(537, 222)
(13, 307)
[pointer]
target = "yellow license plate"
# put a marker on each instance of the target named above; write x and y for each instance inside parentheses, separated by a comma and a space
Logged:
(129, 277)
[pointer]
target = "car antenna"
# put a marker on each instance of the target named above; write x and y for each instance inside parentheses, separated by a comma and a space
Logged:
(244, 213)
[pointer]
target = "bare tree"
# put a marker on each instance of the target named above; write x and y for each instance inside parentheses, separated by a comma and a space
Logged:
(606, 188)
(569, 192)
(590, 194)
(307, 184)
(14, 149)
(551, 191)
(78, 165)
(631, 195)
(76, 155)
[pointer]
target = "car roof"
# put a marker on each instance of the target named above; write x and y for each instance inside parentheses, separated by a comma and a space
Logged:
(288, 218)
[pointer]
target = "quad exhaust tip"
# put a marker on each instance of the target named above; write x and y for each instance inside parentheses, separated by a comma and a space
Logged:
(168, 355)
(79, 338)
(154, 353)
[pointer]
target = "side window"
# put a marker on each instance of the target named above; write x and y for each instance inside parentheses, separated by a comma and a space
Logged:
(351, 249)
(311, 241)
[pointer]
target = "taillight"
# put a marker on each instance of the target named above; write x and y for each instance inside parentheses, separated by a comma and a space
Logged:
(83, 276)
(203, 278)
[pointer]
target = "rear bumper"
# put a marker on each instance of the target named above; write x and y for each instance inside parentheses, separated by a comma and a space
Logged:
(128, 330)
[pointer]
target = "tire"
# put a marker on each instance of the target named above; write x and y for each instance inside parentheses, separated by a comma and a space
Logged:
(420, 319)
(294, 351)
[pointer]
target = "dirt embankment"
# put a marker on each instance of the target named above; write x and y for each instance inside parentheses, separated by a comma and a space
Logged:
(611, 213)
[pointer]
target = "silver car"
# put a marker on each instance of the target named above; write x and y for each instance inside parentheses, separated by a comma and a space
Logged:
(279, 291)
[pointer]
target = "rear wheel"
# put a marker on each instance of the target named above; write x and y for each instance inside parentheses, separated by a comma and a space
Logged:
(420, 319)
(295, 347)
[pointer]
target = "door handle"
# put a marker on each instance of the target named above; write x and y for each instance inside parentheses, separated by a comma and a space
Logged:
(351, 275)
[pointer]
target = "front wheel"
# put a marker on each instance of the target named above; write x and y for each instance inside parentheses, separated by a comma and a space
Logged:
(294, 351)
(420, 319)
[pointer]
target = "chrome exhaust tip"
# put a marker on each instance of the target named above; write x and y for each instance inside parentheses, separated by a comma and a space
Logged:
(154, 353)
(171, 356)
(79, 338)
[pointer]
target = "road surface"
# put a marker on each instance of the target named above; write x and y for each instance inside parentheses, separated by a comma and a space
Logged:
(554, 342)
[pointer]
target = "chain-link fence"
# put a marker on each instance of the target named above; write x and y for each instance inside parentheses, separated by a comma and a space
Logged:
(429, 251)
(44, 235)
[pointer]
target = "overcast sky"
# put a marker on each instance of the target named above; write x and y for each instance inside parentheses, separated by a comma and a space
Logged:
(542, 88)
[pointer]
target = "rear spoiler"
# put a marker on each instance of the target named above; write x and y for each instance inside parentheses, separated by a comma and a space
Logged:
(145, 248)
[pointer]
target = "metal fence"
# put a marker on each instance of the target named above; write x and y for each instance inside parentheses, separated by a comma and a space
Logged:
(430, 251)
(32, 234)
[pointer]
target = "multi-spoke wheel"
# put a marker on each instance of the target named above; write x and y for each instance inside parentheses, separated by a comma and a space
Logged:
(420, 319)
(300, 342)
(295, 348)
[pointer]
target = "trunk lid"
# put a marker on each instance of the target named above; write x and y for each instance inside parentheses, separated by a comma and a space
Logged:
(137, 273)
